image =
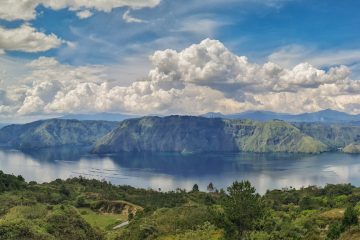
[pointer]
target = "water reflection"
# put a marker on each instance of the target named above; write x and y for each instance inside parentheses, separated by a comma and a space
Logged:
(169, 170)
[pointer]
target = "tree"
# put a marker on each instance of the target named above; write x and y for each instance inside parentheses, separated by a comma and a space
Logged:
(306, 203)
(195, 188)
(210, 187)
(350, 217)
(242, 207)
(64, 191)
(80, 201)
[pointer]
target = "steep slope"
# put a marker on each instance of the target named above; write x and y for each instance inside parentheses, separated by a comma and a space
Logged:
(274, 136)
(54, 132)
(334, 135)
(175, 133)
(198, 134)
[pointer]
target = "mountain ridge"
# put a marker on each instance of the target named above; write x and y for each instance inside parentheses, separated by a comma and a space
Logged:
(182, 134)
(199, 134)
(326, 116)
(54, 132)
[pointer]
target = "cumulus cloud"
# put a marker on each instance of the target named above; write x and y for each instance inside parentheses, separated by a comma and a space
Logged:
(26, 9)
(203, 77)
(130, 19)
(211, 64)
(28, 39)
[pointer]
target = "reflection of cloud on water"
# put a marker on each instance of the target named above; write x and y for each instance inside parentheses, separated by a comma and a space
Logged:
(65, 161)
(163, 182)
(168, 173)
(344, 173)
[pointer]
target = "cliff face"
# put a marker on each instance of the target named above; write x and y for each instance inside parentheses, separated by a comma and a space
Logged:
(179, 134)
(333, 135)
(54, 132)
(198, 134)
(182, 134)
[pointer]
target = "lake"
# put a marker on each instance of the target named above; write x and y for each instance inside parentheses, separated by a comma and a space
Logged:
(169, 171)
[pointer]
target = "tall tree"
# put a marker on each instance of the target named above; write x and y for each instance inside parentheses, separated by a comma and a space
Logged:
(242, 207)
(210, 187)
(195, 188)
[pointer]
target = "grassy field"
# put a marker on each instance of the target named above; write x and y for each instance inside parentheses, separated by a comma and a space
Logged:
(104, 221)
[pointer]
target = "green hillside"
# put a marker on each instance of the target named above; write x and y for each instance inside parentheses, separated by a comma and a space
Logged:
(84, 209)
(197, 134)
(54, 132)
(333, 135)
(185, 134)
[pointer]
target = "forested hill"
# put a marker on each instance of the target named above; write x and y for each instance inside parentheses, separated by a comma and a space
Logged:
(54, 132)
(198, 134)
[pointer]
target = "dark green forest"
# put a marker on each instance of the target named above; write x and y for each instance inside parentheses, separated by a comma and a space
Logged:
(80, 208)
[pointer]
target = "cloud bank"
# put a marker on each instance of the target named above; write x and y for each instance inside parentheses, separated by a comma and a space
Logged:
(201, 78)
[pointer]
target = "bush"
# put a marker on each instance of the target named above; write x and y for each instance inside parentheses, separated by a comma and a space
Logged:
(350, 217)
(334, 231)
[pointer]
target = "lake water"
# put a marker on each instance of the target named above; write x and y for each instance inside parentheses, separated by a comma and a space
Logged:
(169, 171)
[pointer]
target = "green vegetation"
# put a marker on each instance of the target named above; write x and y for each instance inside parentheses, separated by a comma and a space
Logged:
(103, 221)
(185, 134)
(54, 132)
(80, 208)
(196, 134)
(333, 135)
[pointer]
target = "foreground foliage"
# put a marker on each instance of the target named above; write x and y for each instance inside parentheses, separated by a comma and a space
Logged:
(79, 208)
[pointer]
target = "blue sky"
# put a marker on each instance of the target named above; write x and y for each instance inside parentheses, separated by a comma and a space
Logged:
(251, 28)
(123, 36)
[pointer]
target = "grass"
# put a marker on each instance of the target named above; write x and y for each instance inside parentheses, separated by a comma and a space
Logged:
(104, 221)
(27, 212)
(352, 234)
(336, 213)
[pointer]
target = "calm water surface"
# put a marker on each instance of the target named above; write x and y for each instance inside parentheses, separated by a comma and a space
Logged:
(169, 170)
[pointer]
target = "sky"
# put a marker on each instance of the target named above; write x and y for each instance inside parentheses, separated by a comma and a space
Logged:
(177, 57)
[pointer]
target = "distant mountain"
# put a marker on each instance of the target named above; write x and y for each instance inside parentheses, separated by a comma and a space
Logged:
(325, 116)
(99, 116)
(54, 132)
(199, 134)
(182, 134)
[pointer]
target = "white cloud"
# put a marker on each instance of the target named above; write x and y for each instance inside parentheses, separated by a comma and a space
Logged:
(211, 64)
(289, 56)
(201, 26)
(28, 39)
(26, 9)
(84, 14)
(203, 77)
(130, 19)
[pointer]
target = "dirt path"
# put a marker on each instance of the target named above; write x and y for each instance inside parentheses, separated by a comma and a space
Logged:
(121, 225)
